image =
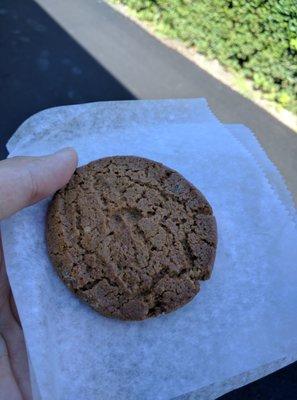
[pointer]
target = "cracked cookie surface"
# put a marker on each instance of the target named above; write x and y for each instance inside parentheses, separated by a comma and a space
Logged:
(131, 237)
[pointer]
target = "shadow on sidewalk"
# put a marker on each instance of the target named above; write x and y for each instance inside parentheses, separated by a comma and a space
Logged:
(42, 66)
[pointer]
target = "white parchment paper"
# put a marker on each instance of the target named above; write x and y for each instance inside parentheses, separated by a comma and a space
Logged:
(241, 325)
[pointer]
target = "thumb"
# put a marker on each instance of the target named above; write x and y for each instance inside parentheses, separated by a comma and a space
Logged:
(26, 180)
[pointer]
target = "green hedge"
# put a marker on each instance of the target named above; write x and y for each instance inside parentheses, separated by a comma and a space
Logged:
(257, 38)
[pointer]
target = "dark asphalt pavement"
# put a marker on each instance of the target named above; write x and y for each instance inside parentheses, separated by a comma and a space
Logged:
(57, 52)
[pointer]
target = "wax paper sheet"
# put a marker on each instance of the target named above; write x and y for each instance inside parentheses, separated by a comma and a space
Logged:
(242, 324)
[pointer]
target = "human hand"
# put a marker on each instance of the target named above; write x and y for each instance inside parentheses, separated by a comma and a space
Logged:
(23, 181)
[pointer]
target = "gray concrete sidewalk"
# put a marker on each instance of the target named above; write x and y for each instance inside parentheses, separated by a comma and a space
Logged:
(150, 70)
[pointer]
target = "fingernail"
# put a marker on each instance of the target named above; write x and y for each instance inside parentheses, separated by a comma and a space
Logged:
(68, 153)
(64, 149)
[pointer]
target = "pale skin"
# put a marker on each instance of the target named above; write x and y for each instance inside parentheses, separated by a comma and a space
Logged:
(23, 181)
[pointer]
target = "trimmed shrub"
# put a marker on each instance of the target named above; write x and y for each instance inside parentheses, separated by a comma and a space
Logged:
(257, 38)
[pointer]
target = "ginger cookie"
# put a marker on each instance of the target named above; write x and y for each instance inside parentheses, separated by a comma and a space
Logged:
(131, 237)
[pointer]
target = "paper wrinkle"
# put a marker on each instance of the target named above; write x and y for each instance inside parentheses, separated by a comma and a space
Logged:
(247, 138)
(244, 317)
(105, 115)
(252, 145)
